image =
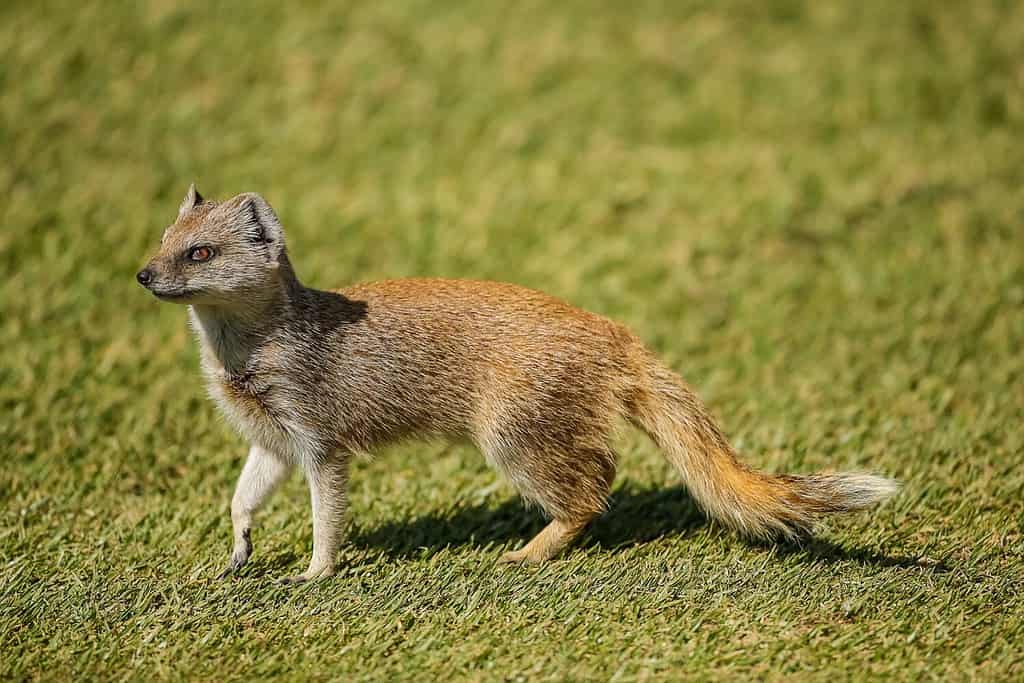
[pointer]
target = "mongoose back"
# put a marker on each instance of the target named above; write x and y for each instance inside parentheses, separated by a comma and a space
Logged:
(310, 377)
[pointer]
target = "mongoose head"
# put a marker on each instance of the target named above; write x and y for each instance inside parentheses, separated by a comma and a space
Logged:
(218, 253)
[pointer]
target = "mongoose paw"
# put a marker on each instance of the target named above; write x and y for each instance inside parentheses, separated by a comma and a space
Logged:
(238, 558)
(235, 564)
(520, 556)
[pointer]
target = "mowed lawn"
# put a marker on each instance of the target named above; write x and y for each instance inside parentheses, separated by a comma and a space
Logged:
(814, 211)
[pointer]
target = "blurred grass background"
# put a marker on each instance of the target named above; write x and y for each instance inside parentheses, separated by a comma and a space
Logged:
(812, 210)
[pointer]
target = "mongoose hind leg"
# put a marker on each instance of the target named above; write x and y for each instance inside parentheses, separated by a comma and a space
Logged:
(547, 544)
(571, 487)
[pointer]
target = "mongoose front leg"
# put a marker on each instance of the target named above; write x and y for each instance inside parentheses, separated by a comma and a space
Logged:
(262, 473)
(327, 480)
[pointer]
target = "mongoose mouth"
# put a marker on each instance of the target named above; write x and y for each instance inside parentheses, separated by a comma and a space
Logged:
(178, 295)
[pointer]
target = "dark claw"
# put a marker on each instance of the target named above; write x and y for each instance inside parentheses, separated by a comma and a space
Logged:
(236, 564)
(238, 559)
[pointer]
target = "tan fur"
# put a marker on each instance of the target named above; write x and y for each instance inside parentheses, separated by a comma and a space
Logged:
(310, 377)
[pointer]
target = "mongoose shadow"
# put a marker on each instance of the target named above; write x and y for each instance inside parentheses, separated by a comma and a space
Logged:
(636, 515)
(339, 311)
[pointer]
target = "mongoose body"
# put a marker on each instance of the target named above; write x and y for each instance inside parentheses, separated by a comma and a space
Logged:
(491, 362)
(311, 377)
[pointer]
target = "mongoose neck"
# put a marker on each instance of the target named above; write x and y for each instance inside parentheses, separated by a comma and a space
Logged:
(229, 334)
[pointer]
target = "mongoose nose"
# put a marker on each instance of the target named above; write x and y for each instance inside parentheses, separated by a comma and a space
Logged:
(144, 277)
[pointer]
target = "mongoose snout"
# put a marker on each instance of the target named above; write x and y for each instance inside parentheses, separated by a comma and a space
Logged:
(310, 377)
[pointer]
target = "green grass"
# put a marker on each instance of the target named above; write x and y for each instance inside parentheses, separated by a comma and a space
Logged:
(813, 211)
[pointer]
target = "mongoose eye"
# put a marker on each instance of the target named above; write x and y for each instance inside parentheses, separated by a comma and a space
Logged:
(200, 254)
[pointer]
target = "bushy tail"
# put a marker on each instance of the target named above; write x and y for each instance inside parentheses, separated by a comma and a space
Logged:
(754, 503)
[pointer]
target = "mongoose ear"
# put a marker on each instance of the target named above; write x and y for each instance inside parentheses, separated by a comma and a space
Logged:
(192, 200)
(260, 225)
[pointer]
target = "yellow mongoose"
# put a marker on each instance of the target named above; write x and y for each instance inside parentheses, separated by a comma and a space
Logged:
(310, 377)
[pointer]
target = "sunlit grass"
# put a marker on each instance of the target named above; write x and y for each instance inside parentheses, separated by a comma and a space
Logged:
(812, 210)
